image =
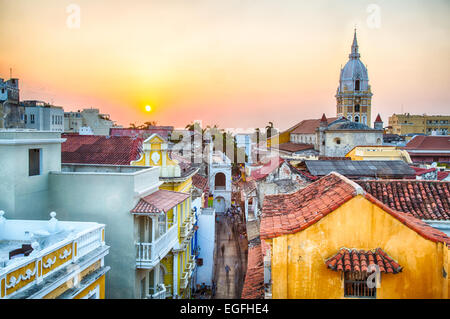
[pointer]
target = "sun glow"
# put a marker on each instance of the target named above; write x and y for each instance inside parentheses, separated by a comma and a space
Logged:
(148, 108)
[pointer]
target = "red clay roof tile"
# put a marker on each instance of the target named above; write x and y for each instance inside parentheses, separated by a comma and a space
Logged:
(91, 149)
(254, 279)
(321, 198)
(160, 201)
(356, 260)
(429, 200)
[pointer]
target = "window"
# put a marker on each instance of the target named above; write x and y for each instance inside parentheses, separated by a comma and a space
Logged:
(34, 162)
(32, 118)
(25, 118)
(357, 108)
(355, 285)
(356, 118)
(219, 181)
(357, 85)
(337, 140)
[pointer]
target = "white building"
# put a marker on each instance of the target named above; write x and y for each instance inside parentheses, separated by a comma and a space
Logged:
(43, 116)
(205, 235)
(92, 118)
(48, 259)
(30, 166)
(220, 180)
(245, 141)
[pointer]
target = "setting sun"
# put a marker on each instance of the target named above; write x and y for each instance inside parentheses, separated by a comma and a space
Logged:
(148, 108)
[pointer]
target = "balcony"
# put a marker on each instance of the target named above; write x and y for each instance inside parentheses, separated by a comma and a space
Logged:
(190, 266)
(187, 226)
(184, 280)
(148, 255)
(160, 292)
(47, 248)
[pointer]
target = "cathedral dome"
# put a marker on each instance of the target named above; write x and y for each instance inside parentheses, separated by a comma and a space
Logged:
(354, 75)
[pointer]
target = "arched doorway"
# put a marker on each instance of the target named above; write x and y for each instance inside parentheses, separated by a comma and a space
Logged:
(219, 204)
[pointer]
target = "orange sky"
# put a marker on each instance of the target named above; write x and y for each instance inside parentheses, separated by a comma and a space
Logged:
(238, 64)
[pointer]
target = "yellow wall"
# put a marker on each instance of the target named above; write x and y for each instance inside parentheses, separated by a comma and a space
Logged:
(283, 137)
(409, 124)
(184, 186)
(389, 153)
(298, 260)
(100, 281)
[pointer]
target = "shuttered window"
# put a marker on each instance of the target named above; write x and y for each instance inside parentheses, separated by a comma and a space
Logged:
(34, 162)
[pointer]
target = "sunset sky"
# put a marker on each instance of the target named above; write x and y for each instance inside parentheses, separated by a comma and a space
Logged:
(238, 64)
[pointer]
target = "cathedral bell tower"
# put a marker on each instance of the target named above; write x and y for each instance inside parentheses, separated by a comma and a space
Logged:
(354, 95)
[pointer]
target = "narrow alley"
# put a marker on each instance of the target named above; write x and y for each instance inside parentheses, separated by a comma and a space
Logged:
(230, 259)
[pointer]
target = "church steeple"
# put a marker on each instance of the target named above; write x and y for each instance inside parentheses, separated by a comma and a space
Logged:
(354, 95)
(355, 53)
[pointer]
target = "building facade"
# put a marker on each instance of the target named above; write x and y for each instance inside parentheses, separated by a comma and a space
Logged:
(43, 116)
(403, 124)
(43, 259)
(52, 259)
(331, 239)
(100, 124)
(11, 112)
(176, 175)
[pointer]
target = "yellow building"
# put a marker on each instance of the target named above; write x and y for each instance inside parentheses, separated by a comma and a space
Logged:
(403, 124)
(176, 267)
(334, 240)
(52, 259)
(379, 153)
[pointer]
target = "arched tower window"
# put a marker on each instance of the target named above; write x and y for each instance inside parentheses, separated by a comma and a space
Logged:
(357, 108)
(356, 118)
(219, 181)
(357, 85)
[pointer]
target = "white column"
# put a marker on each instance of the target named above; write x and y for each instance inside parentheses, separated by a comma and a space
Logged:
(156, 277)
(175, 276)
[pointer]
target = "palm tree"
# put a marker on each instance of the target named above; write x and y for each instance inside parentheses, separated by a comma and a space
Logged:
(133, 126)
(269, 129)
(257, 130)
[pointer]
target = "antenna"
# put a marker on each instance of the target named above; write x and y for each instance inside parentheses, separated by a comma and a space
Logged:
(10, 73)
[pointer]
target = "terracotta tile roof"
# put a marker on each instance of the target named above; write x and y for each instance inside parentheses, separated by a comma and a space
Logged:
(355, 260)
(289, 213)
(420, 171)
(267, 168)
(378, 119)
(160, 201)
(294, 147)
(200, 182)
(90, 149)
(419, 226)
(442, 175)
(309, 126)
(254, 278)
(422, 199)
(422, 142)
